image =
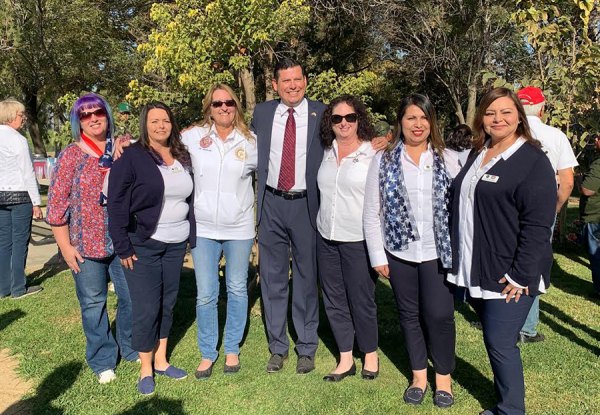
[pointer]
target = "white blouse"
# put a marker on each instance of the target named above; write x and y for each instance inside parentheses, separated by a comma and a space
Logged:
(16, 168)
(342, 191)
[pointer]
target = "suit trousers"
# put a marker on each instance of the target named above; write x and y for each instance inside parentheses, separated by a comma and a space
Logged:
(285, 226)
(426, 309)
(153, 287)
(501, 323)
(348, 285)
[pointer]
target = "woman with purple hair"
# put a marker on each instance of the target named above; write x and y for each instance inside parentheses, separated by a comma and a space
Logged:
(78, 216)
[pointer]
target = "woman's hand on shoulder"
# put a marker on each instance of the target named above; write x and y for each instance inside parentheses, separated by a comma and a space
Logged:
(380, 143)
(512, 291)
(120, 146)
(383, 270)
(128, 262)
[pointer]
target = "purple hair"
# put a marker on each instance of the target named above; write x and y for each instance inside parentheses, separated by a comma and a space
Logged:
(86, 102)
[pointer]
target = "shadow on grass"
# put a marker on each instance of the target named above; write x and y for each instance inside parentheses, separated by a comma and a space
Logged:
(156, 405)
(53, 386)
(570, 283)
(52, 267)
(6, 319)
(563, 330)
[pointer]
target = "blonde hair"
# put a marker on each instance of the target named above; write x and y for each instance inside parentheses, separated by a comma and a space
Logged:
(9, 108)
(238, 119)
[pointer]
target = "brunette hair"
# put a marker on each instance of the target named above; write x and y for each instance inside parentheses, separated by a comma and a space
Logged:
(460, 138)
(86, 102)
(238, 120)
(286, 63)
(423, 102)
(176, 146)
(479, 134)
(365, 131)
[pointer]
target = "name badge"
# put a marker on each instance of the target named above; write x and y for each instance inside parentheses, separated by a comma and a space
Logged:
(428, 167)
(490, 178)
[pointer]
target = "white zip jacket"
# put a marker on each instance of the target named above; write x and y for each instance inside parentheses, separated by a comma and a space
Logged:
(223, 192)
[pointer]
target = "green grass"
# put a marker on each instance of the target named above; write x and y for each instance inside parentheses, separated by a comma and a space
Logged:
(562, 374)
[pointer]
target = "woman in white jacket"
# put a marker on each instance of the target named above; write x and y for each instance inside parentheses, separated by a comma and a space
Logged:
(224, 156)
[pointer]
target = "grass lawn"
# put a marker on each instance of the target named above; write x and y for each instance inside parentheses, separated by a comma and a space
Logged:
(562, 374)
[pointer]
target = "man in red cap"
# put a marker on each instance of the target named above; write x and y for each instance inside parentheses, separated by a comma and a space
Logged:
(557, 147)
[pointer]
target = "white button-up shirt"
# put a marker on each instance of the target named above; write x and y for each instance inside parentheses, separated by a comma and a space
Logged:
(276, 151)
(16, 168)
(418, 180)
(466, 213)
(342, 190)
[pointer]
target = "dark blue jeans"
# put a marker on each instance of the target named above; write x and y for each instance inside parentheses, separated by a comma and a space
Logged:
(15, 231)
(101, 350)
(592, 233)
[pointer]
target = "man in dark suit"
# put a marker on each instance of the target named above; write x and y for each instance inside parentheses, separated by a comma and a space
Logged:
(289, 155)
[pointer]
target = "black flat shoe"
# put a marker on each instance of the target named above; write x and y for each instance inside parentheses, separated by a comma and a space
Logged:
(204, 374)
(368, 375)
(336, 377)
(443, 399)
(414, 395)
(229, 370)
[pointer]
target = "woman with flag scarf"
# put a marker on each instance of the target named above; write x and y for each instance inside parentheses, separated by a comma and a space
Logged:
(78, 216)
(405, 219)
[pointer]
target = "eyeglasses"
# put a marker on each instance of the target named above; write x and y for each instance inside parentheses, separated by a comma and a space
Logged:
(22, 115)
(352, 118)
(218, 104)
(85, 115)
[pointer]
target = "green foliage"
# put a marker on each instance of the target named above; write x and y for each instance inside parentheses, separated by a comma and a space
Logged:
(198, 43)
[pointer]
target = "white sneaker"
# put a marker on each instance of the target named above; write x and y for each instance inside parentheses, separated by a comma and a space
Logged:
(106, 376)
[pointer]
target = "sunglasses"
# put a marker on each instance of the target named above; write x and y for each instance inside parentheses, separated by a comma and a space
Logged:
(219, 104)
(85, 115)
(352, 117)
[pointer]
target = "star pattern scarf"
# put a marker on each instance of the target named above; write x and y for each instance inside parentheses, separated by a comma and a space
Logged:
(400, 227)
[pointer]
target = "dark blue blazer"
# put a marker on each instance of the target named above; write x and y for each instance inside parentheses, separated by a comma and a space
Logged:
(512, 221)
(262, 125)
(135, 196)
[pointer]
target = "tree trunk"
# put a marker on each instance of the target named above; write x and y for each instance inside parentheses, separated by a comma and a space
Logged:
(31, 108)
(268, 75)
(471, 104)
(247, 79)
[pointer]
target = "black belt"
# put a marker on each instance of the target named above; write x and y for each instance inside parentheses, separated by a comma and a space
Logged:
(287, 195)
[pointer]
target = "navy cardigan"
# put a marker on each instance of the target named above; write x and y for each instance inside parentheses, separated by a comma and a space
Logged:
(135, 196)
(512, 221)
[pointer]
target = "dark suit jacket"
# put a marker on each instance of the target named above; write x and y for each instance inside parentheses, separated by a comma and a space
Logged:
(135, 195)
(512, 219)
(262, 125)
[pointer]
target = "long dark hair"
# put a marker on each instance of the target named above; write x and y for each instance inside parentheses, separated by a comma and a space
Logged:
(460, 138)
(421, 101)
(365, 131)
(523, 130)
(176, 146)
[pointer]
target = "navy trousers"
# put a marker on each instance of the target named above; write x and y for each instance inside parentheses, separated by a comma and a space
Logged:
(501, 323)
(348, 285)
(285, 227)
(153, 287)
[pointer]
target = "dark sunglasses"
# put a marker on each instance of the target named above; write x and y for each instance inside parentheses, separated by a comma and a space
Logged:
(218, 104)
(352, 117)
(99, 113)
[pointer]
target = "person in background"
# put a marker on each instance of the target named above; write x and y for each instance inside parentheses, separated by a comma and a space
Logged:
(458, 146)
(19, 201)
(557, 147)
(502, 212)
(406, 212)
(224, 157)
(347, 280)
(150, 216)
(591, 189)
(79, 220)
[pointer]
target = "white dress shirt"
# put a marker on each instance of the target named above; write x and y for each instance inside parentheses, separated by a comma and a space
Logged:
(418, 180)
(276, 151)
(554, 143)
(342, 191)
(16, 168)
(466, 213)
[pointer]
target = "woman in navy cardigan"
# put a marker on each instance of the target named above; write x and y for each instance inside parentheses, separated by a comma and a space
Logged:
(503, 208)
(151, 219)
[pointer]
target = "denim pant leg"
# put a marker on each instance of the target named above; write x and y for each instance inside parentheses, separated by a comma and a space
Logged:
(592, 231)
(206, 257)
(533, 318)
(123, 310)
(15, 230)
(237, 259)
(91, 287)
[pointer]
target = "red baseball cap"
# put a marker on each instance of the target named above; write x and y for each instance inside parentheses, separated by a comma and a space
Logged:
(531, 95)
